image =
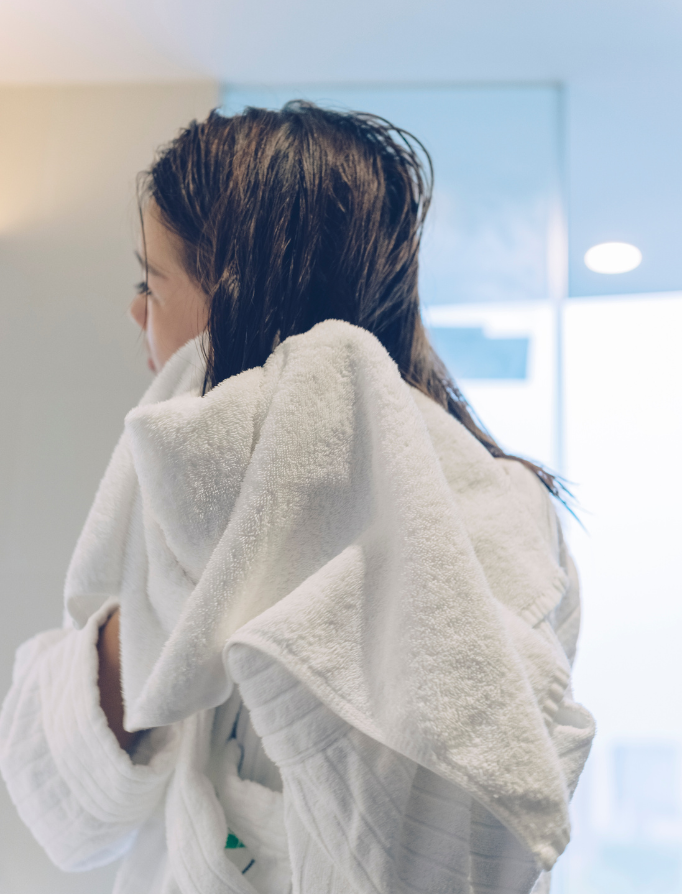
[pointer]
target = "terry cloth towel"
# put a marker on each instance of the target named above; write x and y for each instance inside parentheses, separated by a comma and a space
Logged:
(317, 523)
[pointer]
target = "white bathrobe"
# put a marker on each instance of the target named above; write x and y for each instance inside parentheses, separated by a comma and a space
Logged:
(396, 607)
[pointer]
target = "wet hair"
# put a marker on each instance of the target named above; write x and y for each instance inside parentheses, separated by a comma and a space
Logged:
(295, 216)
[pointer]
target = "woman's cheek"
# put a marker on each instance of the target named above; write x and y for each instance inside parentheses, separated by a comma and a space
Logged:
(155, 336)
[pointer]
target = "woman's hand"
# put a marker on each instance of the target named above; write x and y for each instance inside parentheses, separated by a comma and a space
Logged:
(110, 693)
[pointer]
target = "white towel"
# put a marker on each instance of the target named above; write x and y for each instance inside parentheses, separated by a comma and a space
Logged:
(320, 512)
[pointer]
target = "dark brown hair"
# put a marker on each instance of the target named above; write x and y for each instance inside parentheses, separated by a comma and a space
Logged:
(301, 215)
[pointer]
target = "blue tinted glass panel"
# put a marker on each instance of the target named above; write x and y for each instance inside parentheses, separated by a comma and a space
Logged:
(470, 354)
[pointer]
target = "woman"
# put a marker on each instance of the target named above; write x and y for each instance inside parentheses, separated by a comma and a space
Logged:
(322, 626)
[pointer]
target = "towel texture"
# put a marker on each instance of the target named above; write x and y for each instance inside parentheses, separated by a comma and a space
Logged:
(397, 607)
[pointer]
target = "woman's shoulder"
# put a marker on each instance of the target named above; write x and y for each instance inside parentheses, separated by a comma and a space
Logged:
(470, 469)
(535, 497)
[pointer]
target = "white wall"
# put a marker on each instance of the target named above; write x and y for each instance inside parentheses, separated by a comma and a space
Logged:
(71, 363)
(623, 423)
(623, 368)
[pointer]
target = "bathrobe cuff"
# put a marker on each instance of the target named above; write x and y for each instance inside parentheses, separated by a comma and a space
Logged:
(81, 795)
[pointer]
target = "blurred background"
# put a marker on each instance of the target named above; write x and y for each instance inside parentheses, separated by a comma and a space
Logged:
(555, 126)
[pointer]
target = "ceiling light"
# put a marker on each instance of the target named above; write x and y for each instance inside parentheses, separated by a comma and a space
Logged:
(613, 257)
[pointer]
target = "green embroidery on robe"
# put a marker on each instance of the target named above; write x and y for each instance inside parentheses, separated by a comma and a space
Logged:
(233, 841)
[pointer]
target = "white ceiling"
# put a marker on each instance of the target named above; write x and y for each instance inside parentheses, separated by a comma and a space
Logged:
(326, 40)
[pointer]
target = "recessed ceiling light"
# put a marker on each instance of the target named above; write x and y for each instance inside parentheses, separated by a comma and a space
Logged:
(613, 257)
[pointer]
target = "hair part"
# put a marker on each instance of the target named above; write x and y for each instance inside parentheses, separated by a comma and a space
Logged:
(296, 216)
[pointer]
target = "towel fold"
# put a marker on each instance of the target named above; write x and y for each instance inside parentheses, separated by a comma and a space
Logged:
(320, 512)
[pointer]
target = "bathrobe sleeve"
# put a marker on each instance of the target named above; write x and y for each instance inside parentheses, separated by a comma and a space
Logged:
(80, 794)
(362, 817)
